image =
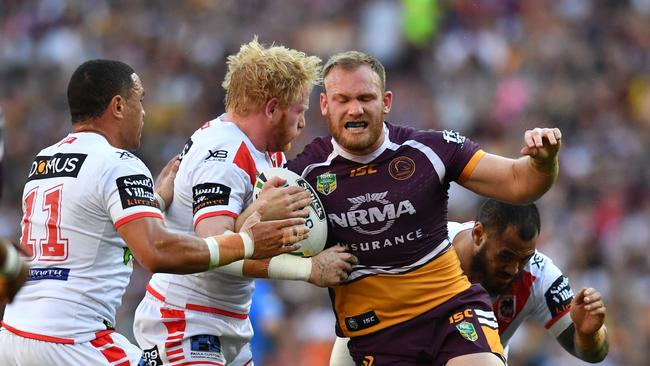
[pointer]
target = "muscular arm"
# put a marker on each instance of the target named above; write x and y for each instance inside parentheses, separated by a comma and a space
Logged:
(590, 348)
(519, 180)
(587, 337)
(159, 250)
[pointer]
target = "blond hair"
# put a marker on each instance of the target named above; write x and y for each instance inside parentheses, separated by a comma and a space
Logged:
(257, 74)
(351, 60)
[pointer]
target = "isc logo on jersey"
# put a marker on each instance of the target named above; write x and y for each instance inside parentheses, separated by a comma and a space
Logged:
(316, 220)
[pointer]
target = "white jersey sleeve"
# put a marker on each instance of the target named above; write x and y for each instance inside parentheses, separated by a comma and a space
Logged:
(553, 298)
(127, 191)
(218, 188)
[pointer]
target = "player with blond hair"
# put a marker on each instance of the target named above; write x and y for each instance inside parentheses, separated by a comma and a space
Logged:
(89, 207)
(203, 318)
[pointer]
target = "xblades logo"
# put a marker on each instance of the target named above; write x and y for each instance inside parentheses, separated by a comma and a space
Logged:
(124, 155)
(217, 154)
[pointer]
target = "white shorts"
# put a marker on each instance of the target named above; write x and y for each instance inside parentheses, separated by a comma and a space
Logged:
(170, 335)
(111, 349)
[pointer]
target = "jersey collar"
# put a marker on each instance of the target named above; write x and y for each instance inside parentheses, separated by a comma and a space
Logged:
(363, 159)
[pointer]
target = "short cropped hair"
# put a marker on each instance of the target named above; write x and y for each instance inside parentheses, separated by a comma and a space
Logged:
(350, 60)
(496, 215)
(257, 74)
(94, 84)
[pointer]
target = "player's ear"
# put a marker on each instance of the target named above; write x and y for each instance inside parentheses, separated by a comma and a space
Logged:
(116, 106)
(478, 233)
(388, 101)
(323, 103)
(271, 106)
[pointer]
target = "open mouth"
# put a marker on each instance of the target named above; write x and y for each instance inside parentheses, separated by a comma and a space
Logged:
(353, 125)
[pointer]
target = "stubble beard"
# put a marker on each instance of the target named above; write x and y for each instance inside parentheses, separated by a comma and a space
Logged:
(479, 273)
(352, 142)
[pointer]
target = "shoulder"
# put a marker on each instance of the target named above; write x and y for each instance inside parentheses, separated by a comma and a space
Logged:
(215, 141)
(540, 266)
(441, 143)
(315, 152)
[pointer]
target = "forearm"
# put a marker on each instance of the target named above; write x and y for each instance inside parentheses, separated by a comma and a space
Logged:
(592, 347)
(245, 214)
(159, 250)
(280, 267)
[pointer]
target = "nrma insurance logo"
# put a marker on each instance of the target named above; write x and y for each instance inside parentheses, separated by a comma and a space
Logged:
(371, 214)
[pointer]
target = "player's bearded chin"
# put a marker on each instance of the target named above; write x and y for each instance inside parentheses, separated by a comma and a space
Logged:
(354, 142)
(479, 272)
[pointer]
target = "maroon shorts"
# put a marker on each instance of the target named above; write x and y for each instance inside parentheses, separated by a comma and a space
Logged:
(463, 325)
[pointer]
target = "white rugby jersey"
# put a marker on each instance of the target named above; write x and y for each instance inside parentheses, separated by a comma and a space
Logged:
(218, 170)
(540, 293)
(78, 192)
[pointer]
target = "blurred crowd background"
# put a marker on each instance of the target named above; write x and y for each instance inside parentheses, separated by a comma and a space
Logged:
(488, 68)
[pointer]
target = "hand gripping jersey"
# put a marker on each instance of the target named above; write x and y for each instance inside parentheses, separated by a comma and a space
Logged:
(216, 176)
(541, 293)
(389, 209)
(78, 192)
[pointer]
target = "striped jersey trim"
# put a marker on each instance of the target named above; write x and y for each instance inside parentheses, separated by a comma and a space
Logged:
(360, 271)
(486, 318)
(196, 307)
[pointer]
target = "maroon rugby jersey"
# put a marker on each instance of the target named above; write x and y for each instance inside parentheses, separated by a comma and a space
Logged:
(389, 208)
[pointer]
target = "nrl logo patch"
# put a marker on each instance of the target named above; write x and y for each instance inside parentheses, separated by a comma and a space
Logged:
(326, 183)
(467, 331)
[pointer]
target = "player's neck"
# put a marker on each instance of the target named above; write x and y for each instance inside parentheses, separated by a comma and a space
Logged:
(92, 128)
(253, 126)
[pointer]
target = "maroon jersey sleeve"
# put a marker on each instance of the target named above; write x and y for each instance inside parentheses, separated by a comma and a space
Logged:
(458, 153)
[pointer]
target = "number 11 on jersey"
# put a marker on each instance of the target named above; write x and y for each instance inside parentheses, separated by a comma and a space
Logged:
(53, 247)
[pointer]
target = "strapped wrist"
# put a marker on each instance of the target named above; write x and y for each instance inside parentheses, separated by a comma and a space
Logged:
(249, 246)
(213, 247)
(290, 267)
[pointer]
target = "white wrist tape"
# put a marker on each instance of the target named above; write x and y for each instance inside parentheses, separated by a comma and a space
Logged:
(213, 247)
(11, 267)
(289, 267)
(234, 268)
(249, 246)
(161, 202)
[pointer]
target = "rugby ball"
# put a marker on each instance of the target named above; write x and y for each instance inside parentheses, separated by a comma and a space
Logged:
(317, 220)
